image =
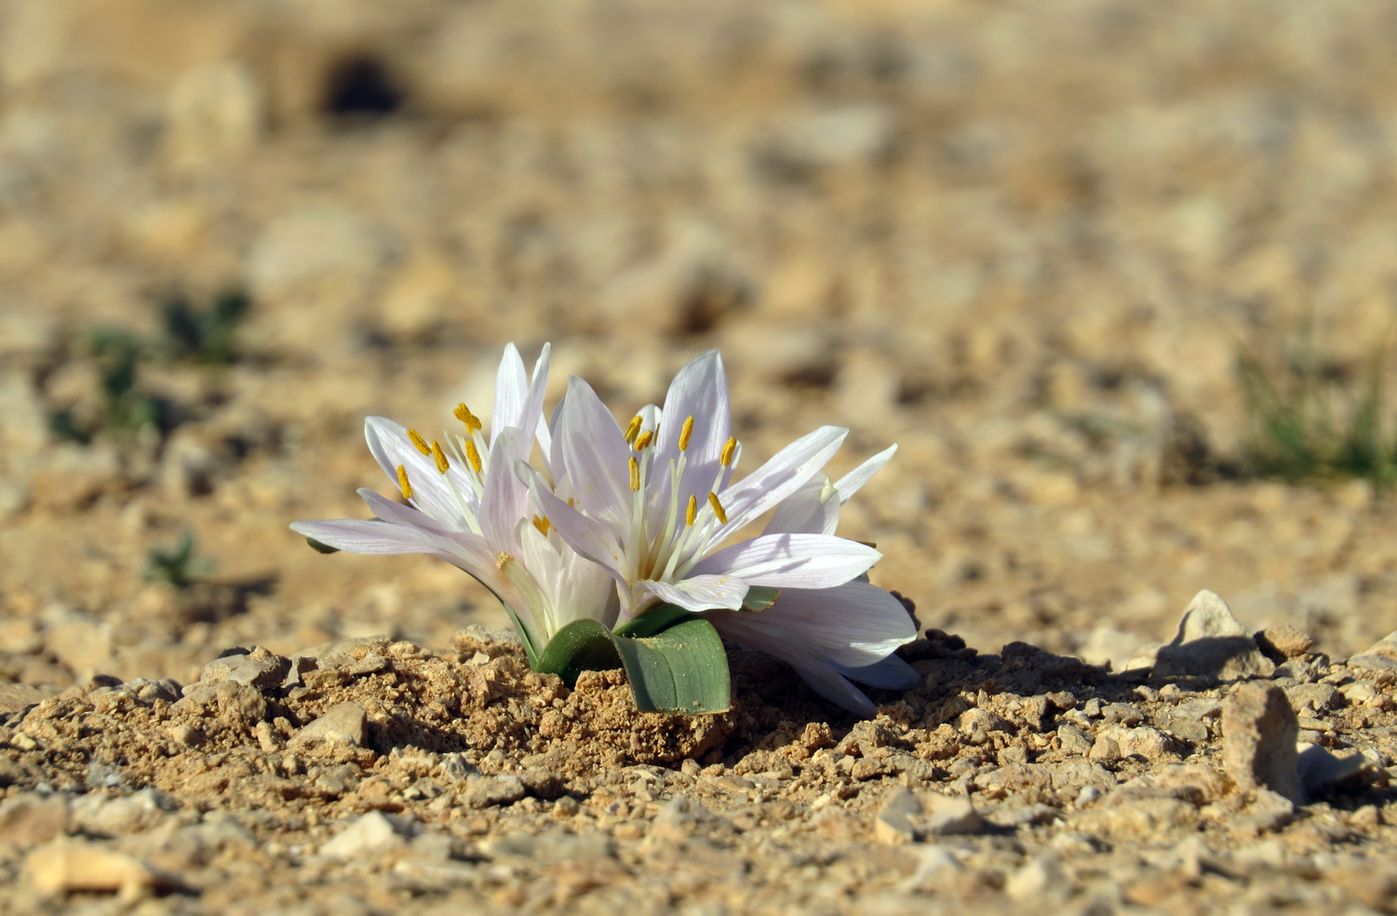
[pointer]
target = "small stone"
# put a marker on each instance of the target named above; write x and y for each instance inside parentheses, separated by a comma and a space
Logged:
(66, 866)
(1267, 810)
(342, 723)
(1211, 643)
(368, 834)
(28, 820)
(1381, 654)
(1320, 769)
(551, 847)
(1258, 740)
(100, 815)
(495, 790)
(257, 668)
(1035, 879)
(1283, 641)
(948, 815)
(898, 817)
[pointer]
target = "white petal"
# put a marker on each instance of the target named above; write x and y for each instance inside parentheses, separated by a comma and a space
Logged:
(698, 593)
(829, 683)
(592, 450)
(395, 512)
(813, 509)
(785, 473)
(589, 537)
(806, 561)
(853, 481)
(373, 538)
(699, 390)
(533, 422)
(505, 499)
(855, 625)
(511, 393)
(390, 446)
(892, 673)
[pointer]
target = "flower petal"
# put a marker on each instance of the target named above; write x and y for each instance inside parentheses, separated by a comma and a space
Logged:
(511, 393)
(395, 512)
(374, 538)
(805, 561)
(533, 422)
(853, 481)
(431, 490)
(785, 473)
(698, 593)
(699, 390)
(813, 509)
(589, 537)
(830, 683)
(892, 673)
(592, 451)
(505, 499)
(855, 625)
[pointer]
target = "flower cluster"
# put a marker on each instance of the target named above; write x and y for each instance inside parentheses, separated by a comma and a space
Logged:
(577, 517)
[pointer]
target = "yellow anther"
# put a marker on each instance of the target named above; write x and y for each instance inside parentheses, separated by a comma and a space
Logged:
(644, 439)
(729, 449)
(691, 512)
(635, 475)
(418, 442)
(685, 433)
(473, 456)
(502, 560)
(440, 456)
(463, 413)
(571, 502)
(403, 483)
(542, 523)
(632, 429)
(717, 508)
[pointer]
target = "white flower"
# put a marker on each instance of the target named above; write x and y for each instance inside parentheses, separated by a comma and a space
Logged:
(467, 505)
(610, 523)
(656, 506)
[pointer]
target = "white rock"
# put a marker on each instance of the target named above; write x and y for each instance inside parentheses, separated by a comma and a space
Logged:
(1211, 643)
(369, 834)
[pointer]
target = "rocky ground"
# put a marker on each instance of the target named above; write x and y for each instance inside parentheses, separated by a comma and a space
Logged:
(1027, 242)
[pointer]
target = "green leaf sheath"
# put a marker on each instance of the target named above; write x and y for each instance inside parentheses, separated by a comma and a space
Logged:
(674, 660)
(681, 669)
(583, 645)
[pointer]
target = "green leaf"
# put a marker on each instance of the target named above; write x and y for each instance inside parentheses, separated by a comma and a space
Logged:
(760, 597)
(658, 618)
(530, 650)
(683, 668)
(583, 645)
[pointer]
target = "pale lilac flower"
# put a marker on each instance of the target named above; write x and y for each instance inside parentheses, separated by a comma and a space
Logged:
(467, 505)
(656, 506)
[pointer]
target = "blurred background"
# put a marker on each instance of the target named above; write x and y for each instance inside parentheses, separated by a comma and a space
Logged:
(1118, 277)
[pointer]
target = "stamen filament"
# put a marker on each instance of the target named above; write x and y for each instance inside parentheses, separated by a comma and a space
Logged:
(403, 483)
(685, 433)
(418, 442)
(440, 456)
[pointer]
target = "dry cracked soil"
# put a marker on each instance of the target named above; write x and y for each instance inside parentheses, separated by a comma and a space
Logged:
(1027, 242)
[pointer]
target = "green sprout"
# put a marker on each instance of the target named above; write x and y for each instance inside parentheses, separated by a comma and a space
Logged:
(206, 336)
(178, 565)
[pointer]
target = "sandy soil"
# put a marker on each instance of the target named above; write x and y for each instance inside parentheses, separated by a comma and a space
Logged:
(1026, 242)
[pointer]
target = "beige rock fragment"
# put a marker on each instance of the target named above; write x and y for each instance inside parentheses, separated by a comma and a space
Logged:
(1284, 641)
(1258, 740)
(66, 866)
(30, 819)
(342, 723)
(368, 834)
(1211, 643)
(1381, 654)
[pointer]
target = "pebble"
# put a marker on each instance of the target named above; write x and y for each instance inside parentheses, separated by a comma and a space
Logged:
(1319, 768)
(30, 819)
(948, 815)
(495, 790)
(367, 834)
(551, 847)
(256, 667)
(898, 817)
(100, 815)
(1284, 641)
(342, 723)
(1211, 643)
(1259, 730)
(66, 866)
(1380, 655)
